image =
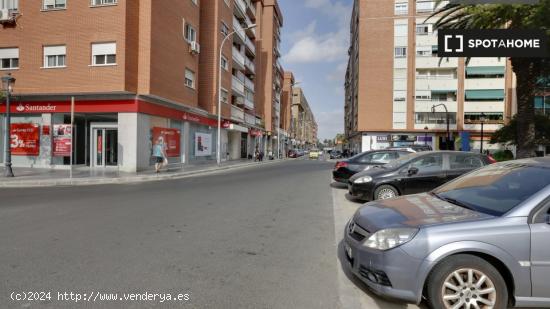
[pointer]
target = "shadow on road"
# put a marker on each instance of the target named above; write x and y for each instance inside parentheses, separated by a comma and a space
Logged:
(350, 198)
(338, 185)
(381, 302)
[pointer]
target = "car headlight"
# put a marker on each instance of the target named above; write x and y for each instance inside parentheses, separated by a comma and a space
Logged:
(390, 238)
(363, 179)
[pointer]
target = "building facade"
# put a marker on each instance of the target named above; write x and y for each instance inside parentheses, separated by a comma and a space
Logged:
(398, 92)
(304, 125)
(138, 71)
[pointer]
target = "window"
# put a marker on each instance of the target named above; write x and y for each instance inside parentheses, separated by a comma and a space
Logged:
(54, 4)
(429, 164)
(400, 30)
(103, 2)
(190, 33)
(490, 118)
(103, 54)
(9, 58)
(464, 161)
(400, 52)
(224, 96)
(189, 78)
(224, 64)
(378, 157)
(422, 29)
(55, 56)
(434, 118)
(401, 8)
(12, 5)
(425, 6)
(194, 2)
(224, 29)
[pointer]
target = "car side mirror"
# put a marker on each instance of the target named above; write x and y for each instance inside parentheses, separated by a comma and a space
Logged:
(413, 171)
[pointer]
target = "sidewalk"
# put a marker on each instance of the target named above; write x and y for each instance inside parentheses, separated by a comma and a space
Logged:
(36, 177)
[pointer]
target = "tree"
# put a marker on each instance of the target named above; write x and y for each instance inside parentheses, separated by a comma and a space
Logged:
(509, 133)
(527, 70)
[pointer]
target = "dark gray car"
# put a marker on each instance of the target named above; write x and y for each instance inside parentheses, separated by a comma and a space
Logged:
(480, 241)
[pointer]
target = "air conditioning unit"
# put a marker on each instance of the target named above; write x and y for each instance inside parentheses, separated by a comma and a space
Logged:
(5, 15)
(195, 48)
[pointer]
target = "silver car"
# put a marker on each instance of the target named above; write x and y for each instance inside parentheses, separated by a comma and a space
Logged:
(480, 241)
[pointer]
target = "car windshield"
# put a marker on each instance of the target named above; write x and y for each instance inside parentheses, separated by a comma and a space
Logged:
(496, 189)
(401, 161)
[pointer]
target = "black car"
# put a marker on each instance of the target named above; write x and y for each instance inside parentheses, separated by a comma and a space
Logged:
(335, 154)
(414, 173)
(344, 169)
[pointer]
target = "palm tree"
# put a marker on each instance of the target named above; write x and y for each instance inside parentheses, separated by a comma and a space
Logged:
(527, 70)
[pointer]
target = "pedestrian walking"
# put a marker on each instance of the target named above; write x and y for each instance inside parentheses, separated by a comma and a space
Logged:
(159, 154)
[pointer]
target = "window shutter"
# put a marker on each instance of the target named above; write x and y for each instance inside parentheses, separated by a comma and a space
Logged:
(55, 50)
(49, 3)
(104, 49)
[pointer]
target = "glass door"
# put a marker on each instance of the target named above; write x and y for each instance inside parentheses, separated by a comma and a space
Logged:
(104, 150)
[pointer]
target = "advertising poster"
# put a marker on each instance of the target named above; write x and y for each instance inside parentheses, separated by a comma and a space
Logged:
(25, 139)
(62, 140)
(171, 138)
(203, 144)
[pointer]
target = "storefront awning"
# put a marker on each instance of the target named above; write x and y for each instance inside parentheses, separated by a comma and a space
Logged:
(491, 94)
(498, 70)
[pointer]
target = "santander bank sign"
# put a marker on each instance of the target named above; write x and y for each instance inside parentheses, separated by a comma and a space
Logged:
(27, 108)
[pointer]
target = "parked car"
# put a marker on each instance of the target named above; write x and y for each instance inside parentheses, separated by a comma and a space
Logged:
(335, 154)
(480, 241)
(314, 154)
(344, 169)
(293, 153)
(414, 173)
(413, 148)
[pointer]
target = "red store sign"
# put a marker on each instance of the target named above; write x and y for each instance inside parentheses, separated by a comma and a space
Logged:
(25, 139)
(171, 138)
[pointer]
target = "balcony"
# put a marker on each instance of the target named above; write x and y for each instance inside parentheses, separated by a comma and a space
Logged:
(237, 114)
(251, 9)
(249, 84)
(278, 97)
(484, 83)
(434, 62)
(250, 119)
(237, 86)
(241, 7)
(251, 46)
(239, 29)
(248, 104)
(436, 84)
(249, 65)
(426, 106)
(238, 59)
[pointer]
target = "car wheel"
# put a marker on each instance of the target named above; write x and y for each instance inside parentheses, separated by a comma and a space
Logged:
(385, 192)
(466, 281)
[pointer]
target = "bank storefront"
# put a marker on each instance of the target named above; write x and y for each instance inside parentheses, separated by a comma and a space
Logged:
(116, 134)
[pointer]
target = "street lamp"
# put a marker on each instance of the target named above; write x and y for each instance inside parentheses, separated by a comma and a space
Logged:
(218, 150)
(7, 83)
(426, 135)
(482, 120)
(448, 141)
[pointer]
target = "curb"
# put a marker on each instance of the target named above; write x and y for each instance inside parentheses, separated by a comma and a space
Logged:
(124, 180)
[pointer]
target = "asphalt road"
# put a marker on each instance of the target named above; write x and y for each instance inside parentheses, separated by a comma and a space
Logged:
(260, 237)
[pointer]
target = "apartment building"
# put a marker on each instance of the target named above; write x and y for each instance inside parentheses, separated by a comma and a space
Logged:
(286, 109)
(271, 81)
(304, 125)
(138, 71)
(238, 72)
(398, 92)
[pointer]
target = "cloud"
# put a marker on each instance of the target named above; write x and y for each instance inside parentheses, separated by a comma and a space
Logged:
(339, 73)
(330, 123)
(310, 46)
(326, 48)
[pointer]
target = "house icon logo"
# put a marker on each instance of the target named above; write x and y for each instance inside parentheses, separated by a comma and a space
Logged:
(20, 108)
(454, 38)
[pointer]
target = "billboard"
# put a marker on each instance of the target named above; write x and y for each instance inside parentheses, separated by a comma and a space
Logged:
(203, 144)
(62, 140)
(25, 139)
(172, 140)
